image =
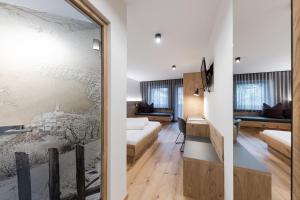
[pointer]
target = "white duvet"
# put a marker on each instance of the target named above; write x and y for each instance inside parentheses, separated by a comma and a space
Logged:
(135, 136)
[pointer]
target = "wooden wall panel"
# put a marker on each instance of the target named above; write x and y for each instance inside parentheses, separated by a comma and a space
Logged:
(132, 108)
(296, 101)
(203, 180)
(193, 106)
(217, 141)
(251, 184)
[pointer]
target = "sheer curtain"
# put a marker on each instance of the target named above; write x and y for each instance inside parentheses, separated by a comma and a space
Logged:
(252, 90)
(179, 101)
(159, 97)
(166, 94)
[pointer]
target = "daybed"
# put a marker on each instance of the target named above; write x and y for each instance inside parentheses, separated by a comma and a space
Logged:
(157, 115)
(141, 134)
(277, 117)
(264, 122)
(144, 109)
(279, 143)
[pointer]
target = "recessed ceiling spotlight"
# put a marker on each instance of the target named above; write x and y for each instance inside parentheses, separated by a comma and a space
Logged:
(237, 60)
(173, 67)
(158, 38)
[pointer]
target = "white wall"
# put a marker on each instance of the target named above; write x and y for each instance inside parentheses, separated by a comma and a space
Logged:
(218, 106)
(262, 40)
(115, 12)
(133, 90)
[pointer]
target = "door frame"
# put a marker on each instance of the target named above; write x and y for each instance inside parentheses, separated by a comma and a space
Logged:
(296, 101)
(91, 11)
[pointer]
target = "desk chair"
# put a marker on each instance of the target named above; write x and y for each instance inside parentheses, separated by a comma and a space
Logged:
(182, 129)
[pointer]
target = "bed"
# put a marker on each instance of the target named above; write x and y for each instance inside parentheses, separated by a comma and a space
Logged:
(279, 143)
(141, 134)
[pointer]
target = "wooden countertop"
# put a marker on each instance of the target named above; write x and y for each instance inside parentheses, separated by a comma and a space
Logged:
(200, 149)
(242, 158)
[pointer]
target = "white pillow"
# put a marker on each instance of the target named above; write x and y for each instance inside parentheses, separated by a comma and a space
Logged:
(145, 120)
(135, 125)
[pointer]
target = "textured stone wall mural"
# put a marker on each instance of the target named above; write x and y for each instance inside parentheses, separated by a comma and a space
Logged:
(50, 89)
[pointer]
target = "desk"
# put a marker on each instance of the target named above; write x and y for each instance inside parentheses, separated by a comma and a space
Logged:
(197, 128)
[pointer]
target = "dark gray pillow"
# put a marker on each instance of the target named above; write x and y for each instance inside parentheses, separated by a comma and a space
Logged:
(273, 112)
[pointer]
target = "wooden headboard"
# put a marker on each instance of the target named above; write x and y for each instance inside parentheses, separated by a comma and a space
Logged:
(217, 140)
(131, 108)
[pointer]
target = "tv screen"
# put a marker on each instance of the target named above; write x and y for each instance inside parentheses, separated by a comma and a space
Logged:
(203, 73)
(210, 77)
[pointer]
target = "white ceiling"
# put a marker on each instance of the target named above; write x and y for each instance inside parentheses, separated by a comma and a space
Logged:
(185, 27)
(56, 7)
(262, 35)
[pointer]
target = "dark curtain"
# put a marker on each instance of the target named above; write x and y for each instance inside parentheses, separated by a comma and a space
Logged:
(252, 90)
(166, 94)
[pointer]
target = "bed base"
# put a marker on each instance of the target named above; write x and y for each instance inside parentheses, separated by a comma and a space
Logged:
(134, 152)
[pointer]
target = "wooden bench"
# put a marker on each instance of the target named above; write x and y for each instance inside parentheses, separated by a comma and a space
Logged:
(252, 180)
(157, 116)
(203, 173)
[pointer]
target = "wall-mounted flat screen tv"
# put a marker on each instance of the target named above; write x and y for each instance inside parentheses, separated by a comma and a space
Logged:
(203, 74)
(207, 76)
(210, 78)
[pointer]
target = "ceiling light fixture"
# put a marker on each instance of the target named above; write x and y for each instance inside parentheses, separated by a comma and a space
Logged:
(158, 38)
(237, 60)
(173, 67)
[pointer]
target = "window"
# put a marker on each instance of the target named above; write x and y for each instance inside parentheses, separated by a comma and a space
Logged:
(250, 96)
(179, 105)
(160, 97)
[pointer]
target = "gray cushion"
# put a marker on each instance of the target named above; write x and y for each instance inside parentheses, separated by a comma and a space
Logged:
(263, 119)
(166, 114)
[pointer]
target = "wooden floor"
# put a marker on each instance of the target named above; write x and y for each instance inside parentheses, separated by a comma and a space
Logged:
(158, 173)
(281, 172)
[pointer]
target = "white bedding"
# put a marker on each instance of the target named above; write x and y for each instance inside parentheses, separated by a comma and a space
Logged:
(137, 123)
(135, 136)
(282, 136)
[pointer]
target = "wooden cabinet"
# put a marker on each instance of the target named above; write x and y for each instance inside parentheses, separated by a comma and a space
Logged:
(197, 128)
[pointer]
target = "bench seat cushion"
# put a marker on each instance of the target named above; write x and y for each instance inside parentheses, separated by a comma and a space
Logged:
(262, 119)
(166, 114)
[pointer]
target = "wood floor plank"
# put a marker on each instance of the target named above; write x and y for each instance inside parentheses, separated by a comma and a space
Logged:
(158, 174)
